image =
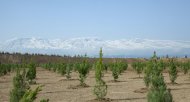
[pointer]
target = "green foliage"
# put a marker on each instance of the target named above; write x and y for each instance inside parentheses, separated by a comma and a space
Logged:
(31, 74)
(162, 95)
(83, 69)
(138, 67)
(68, 70)
(115, 71)
(185, 67)
(150, 66)
(62, 68)
(105, 67)
(45, 100)
(48, 66)
(100, 89)
(117, 68)
(19, 86)
(161, 65)
(5, 68)
(30, 95)
(158, 90)
(172, 71)
(122, 66)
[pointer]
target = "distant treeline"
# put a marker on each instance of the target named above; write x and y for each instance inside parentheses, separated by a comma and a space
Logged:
(17, 58)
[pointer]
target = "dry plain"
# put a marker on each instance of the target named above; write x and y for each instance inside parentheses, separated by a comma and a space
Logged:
(129, 87)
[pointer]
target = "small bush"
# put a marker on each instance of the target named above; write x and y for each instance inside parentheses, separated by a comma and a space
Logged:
(115, 71)
(31, 74)
(30, 95)
(83, 69)
(138, 67)
(68, 70)
(158, 91)
(185, 67)
(161, 65)
(19, 87)
(172, 71)
(62, 68)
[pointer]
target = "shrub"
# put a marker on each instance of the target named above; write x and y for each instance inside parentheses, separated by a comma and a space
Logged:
(161, 95)
(122, 66)
(172, 71)
(161, 65)
(48, 66)
(185, 67)
(5, 68)
(68, 70)
(100, 89)
(31, 74)
(62, 68)
(19, 86)
(117, 68)
(115, 71)
(158, 91)
(149, 68)
(54, 67)
(83, 69)
(138, 67)
(30, 95)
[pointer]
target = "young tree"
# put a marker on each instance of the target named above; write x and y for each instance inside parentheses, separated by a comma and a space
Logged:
(83, 69)
(62, 68)
(158, 91)
(115, 71)
(161, 65)
(19, 87)
(122, 66)
(172, 71)
(100, 89)
(117, 68)
(138, 67)
(147, 73)
(185, 67)
(149, 68)
(68, 70)
(31, 74)
(30, 95)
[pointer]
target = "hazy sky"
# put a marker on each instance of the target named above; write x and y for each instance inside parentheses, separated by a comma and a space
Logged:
(107, 19)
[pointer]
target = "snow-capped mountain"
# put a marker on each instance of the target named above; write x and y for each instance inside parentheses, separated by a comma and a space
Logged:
(125, 47)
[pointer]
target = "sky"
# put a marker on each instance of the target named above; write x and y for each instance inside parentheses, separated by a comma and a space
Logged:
(106, 19)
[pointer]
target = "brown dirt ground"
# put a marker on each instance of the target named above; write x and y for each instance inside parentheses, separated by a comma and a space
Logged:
(129, 87)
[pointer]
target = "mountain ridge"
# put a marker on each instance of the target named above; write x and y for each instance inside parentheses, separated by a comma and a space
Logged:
(91, 45)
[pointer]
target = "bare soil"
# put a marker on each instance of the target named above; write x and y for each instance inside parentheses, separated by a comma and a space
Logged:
(128, 88)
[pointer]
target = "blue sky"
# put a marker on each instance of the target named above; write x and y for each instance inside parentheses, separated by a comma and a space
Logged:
(106, 19)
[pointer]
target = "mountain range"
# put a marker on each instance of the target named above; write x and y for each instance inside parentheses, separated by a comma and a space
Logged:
(111, 48)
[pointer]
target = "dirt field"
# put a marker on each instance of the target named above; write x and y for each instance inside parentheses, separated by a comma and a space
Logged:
(129, 88)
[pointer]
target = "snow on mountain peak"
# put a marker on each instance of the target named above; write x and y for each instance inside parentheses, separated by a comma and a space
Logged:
(92, 44)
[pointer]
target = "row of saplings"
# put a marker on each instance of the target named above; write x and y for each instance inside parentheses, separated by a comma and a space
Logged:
(171, 65)
(152, 69)
(84, 67)
(6, 68)
(153, 77)
(21, 91)
(154, 80)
